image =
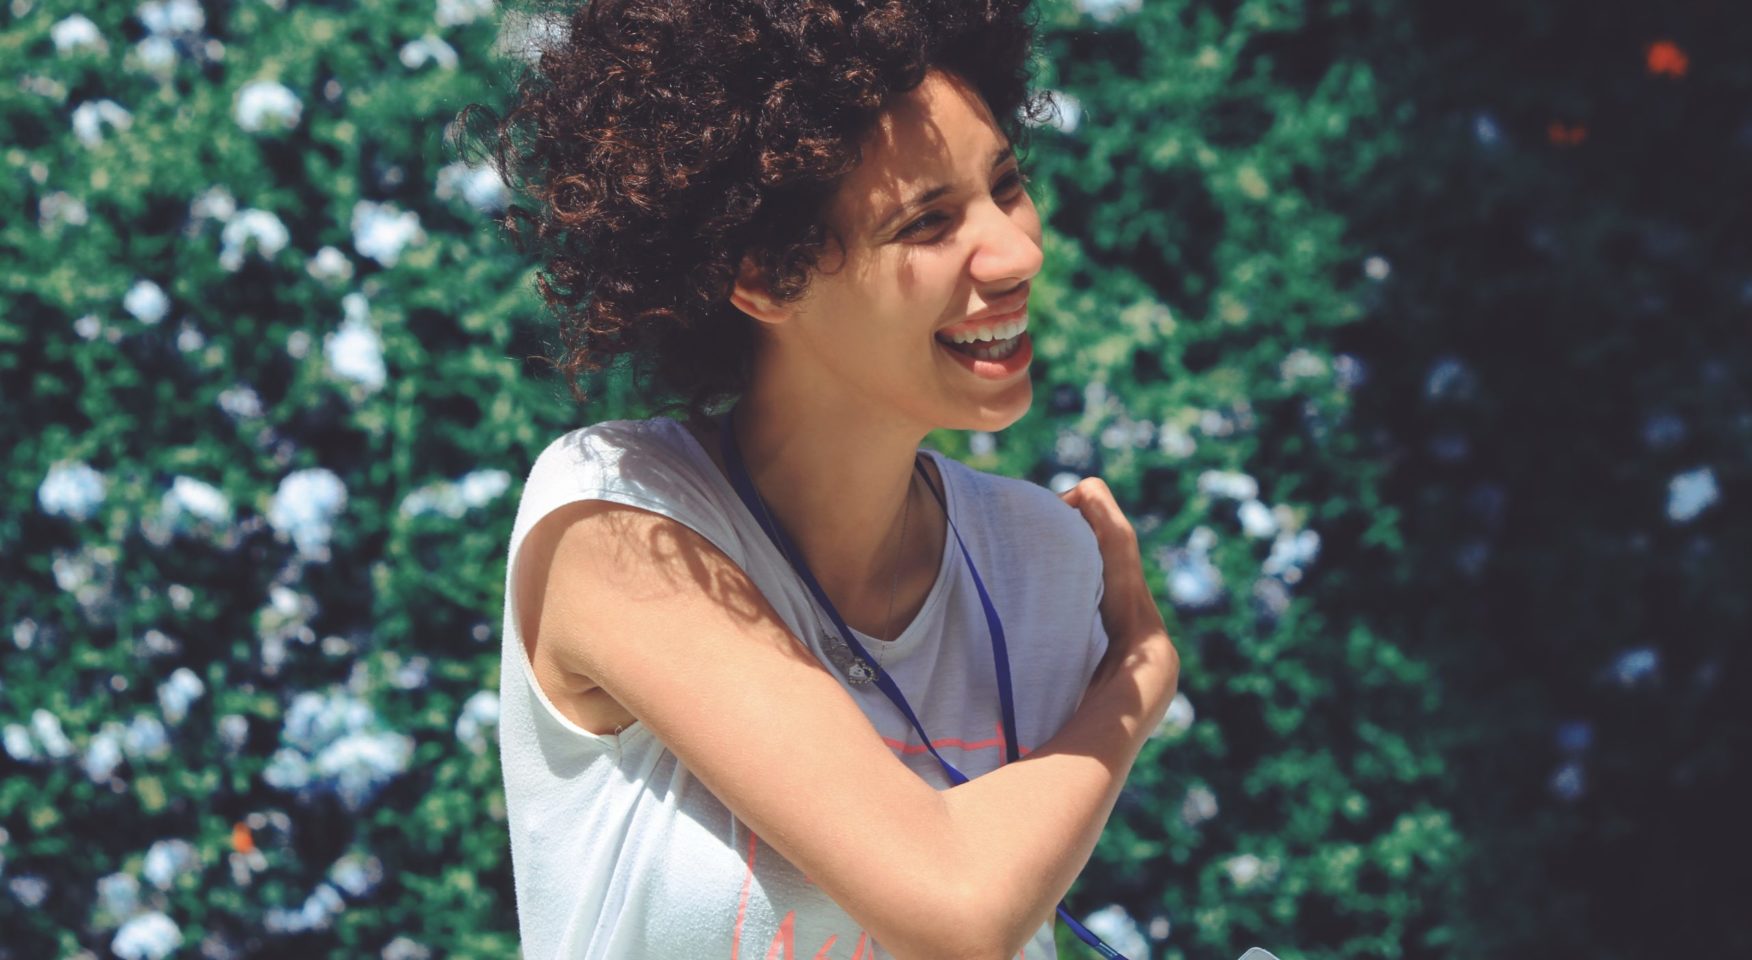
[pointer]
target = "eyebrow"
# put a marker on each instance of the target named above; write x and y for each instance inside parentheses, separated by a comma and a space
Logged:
(1003, 152)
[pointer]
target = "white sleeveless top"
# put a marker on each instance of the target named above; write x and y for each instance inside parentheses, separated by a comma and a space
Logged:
(618, 851)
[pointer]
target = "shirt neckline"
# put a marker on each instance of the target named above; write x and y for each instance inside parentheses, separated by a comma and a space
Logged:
(887, 651)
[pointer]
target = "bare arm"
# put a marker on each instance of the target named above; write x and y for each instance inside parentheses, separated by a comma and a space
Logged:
(680, 636)
(1046, 812)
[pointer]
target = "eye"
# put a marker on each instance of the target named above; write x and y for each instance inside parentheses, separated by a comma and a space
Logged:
(1010, 186)
(917, 226)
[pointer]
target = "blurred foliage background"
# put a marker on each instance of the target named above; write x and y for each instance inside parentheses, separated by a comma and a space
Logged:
(1413, 338)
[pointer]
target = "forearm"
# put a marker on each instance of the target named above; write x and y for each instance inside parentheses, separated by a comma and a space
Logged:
(1024, 831)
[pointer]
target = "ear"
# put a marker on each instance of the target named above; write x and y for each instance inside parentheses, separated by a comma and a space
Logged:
(752, 295)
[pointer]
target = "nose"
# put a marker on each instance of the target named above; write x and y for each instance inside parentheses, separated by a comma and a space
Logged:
(1008, 248)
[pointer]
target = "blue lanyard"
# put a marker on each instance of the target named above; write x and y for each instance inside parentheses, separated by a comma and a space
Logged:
(1000, 655)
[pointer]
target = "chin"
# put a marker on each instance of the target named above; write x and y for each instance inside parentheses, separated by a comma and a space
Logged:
(997, 413)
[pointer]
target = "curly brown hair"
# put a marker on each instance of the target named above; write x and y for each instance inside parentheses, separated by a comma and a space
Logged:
(672, 138)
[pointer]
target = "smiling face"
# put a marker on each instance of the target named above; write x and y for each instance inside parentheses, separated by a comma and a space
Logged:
(864, 334)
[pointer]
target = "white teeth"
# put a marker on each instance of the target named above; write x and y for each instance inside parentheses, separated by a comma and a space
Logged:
(998, 352)
(1001, 332)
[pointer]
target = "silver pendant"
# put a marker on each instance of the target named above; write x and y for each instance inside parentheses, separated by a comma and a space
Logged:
(857, 670)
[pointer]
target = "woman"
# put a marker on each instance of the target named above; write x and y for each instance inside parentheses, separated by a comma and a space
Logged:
(716, 629)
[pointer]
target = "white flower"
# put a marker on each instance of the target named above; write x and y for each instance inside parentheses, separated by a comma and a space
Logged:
(404, 948)
(411, 675)
(330, 264)
(1256, 519)
(118, 895)
(200, 499)
(30, 889)
(981, 444)
(262, 103)
(1690, 493)
(1063, 481)
(18, 744)
(213, 203)
(381, 230)
(146, 301)
(1193, 581)
(46, 727)
(479, 713)
(1175, 441)
(1449, 378)
(1117, 928)
(1291, 552)
(358, 763)
(337, 741)
(355, 353)
(415, 53)
(233, 730)
(176, 693)
(89, 117)
(260, 226)
(1570, 781)
(240, 401)
(72, 489)
(1299, 363)
(148, 936)
(356, 873)
(1352, 372)
(165, 861)
(480, 486)
(1228, 483)
(481, 186)
(1484, 127)
(455, 12)
(77, 32)
(287, 770)
(104, 753)
(1243, 868)
(145, 737)
(59, 206)
(1636, 665)
(188, 338)
(1199, 805)
(305, 505)
(322, 904)
(454, 499)
(1178, 719)
(1376, 268)
(157, 54)
(172, 16)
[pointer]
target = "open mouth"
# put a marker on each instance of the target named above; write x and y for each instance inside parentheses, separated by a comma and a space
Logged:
(1005, 337)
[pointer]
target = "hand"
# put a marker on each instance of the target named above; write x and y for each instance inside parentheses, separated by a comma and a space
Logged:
(1128, 609)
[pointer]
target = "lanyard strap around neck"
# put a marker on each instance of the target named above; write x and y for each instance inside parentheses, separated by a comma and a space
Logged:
(1000, 654)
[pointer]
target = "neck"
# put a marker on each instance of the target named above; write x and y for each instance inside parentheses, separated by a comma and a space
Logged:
(836, 475)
